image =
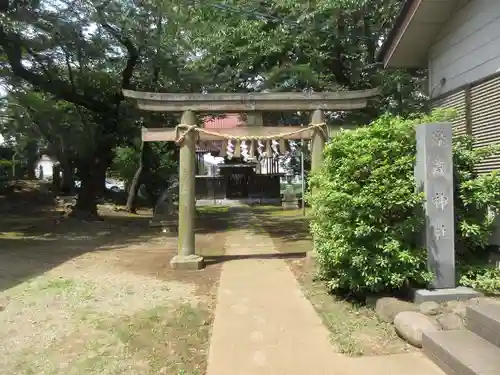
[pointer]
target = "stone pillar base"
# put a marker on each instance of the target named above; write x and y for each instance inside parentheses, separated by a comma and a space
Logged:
(443, 295)
(153, 223)
(187, 262)
(312, 255)
(290, 205)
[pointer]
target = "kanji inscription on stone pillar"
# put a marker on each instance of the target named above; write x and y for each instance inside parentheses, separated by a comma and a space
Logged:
(434, 176)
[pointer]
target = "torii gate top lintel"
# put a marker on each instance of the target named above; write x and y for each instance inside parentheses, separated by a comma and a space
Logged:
(260, 101)
(247, 102)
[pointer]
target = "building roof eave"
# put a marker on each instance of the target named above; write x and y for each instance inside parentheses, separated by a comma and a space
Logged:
(393, 33)
(415, 31)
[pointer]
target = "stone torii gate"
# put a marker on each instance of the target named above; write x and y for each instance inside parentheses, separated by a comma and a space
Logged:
(187, 133)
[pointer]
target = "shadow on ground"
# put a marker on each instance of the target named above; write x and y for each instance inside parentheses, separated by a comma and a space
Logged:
(211, 260)
(35, 237)
(289, 233)
(288, 229)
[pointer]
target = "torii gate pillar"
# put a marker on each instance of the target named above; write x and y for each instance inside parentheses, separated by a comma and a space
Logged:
(186, 257)
(317, 141)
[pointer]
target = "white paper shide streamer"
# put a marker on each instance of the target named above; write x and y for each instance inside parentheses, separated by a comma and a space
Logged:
(260, 148)
(230, 149)
(275, 147)
(244, 150)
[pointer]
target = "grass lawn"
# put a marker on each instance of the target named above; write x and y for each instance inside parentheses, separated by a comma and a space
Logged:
(355, 329)
(100, 297)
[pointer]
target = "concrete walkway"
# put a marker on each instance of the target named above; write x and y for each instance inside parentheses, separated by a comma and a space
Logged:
(264, 325)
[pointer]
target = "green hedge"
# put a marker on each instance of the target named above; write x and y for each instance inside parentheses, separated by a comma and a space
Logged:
(366, 214)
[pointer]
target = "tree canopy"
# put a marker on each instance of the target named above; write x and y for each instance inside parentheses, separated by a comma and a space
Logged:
(64, 64)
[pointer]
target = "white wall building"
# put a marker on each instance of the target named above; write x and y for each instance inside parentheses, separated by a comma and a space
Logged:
(458, 41)
(44, 167)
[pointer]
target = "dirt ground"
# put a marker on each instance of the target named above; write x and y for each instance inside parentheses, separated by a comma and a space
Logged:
(100, 297)
(355, 329)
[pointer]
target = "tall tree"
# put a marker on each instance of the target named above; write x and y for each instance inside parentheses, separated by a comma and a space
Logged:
(51, 126)
(78, 55)
(285, 45)
(84, 53)
(62, 57)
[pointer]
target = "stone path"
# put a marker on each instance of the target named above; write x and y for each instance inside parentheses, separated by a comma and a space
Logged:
(265, 326)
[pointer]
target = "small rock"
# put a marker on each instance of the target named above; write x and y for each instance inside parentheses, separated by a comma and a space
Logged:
(429, 308)
(456, 307)
(450, 322)
(410, 326)
(2, 308)
(387, 308)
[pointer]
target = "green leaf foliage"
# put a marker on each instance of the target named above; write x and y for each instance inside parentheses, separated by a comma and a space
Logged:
(367, 213)
(284, 45)
(483, 279)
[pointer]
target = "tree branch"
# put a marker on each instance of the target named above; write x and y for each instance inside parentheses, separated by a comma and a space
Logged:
(39, 60)
(338, 68)
(369, 38)
(72, 80)
(132, 53)
(156, 67)
(70, 71)
(55, 86)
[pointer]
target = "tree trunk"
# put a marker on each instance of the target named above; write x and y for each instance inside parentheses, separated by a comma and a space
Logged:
(56, 179)
(152, 196)
(135, 184)
(30, 173)
(92, 177)
(32, 155)
(133, 191)
(67, 183)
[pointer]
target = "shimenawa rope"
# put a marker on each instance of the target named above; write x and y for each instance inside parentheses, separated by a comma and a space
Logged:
(189, 128)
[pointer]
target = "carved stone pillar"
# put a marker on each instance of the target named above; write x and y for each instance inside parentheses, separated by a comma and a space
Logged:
(186, 257)
(317, 141)
(434, 177)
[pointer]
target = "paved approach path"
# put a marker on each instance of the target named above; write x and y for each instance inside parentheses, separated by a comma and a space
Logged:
(265, 326)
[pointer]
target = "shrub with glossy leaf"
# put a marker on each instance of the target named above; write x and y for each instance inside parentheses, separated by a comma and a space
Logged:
(366, 214)
(486, 280)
